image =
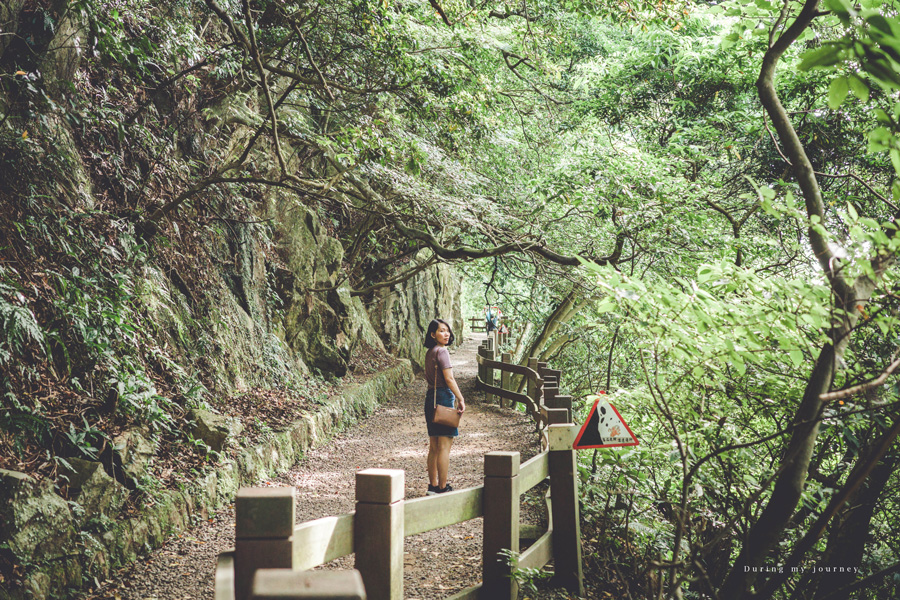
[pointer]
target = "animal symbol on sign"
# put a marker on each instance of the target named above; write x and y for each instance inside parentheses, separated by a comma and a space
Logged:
(607, 426)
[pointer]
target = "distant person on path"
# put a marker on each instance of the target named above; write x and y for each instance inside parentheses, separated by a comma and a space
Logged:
(491, 319)
(439, 374)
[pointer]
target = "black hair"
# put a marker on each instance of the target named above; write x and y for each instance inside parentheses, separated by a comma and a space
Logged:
(430, 342)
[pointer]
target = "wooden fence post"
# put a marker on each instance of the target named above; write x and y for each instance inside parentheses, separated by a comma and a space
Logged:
(263, 532)
(506, 358)
(480, 367)
(561, 402)
(532, 364)
(378, 532)
(501, 524)
(551, 389)
(557, 416)
(283, 584)
(564, 507)
(489, 371)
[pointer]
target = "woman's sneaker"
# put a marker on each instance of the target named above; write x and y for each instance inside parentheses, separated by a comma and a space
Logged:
(432, 490)
(446, 488)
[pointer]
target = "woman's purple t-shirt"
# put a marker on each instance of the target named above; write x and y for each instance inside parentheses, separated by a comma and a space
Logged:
(438, 357)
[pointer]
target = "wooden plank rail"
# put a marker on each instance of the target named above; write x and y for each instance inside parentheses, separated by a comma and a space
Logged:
(323, 540)
(436, 512)
(499, 391)
(509, 367)
(537, 554)
(534, 471)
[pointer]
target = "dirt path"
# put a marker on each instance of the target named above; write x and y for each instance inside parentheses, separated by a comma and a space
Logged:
(394, 437)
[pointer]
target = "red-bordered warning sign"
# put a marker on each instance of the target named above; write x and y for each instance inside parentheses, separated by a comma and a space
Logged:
(604, 428)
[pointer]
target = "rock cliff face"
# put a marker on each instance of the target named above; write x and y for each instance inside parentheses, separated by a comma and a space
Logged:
(234, 293)
(401, 314)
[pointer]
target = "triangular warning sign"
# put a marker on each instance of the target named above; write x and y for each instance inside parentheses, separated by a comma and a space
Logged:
(604, 428)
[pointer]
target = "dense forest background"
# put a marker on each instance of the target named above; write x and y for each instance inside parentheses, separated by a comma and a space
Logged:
(691, 206)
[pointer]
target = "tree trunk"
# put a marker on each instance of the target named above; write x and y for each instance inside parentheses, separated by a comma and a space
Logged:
(847, 538)
(767, 531)
(561, 314)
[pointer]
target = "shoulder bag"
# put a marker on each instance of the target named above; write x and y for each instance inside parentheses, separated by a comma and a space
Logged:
(443, 415)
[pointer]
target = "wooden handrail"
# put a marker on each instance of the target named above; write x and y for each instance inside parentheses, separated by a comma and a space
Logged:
(510, 367)
(435, 512)
(499, 391)
(322, 540)
(224, 586)
(539, 553)
(470, 593)
(533, 471)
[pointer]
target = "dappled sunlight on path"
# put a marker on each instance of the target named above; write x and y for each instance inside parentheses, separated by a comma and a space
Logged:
(394, 437)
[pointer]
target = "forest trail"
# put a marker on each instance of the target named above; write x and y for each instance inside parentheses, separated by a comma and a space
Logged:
(393, 437)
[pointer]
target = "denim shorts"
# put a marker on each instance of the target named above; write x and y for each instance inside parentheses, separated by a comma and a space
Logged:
(446, 398)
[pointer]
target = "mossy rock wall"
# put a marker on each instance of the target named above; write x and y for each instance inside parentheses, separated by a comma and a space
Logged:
(72, 558)
(401, 313)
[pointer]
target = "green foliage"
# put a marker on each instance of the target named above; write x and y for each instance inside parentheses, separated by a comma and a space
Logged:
(629, 134)
(17, 324)
(88, 442)
(528, 578)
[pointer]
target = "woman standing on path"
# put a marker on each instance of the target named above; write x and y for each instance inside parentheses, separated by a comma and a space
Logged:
(442, 388)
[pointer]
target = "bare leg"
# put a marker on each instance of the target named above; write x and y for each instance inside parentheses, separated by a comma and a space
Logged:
(443, 459)
(433, 460)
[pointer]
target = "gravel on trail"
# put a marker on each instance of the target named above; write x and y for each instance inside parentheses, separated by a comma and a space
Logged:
(436, 564)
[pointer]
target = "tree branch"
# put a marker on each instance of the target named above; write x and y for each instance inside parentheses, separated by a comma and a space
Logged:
(853, 390)
(440, 11)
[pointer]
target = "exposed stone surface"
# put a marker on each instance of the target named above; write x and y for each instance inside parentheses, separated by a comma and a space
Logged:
(9, 21)
(134, 453)
(63, 52)
(323, 327)
(401, 313)
(37, 522)
(214, 429)
(96, 492)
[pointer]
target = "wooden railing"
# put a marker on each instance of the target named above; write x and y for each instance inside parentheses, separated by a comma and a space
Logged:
(383, 518)
(541, 389)
(272, 556)
(479, 324)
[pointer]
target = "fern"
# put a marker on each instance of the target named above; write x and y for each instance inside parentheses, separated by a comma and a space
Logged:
(18, 327)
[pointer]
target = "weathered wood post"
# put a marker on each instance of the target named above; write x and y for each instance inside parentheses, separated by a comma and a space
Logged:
(505, 358)
(378, 532)
(562, 402)
(551, 389)
(482, 369)
(479, 367)
(224, 583)
(532, 364)
(283, 584)
(491, 354)
(264, 530)
(501, 524)
(564, 505)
